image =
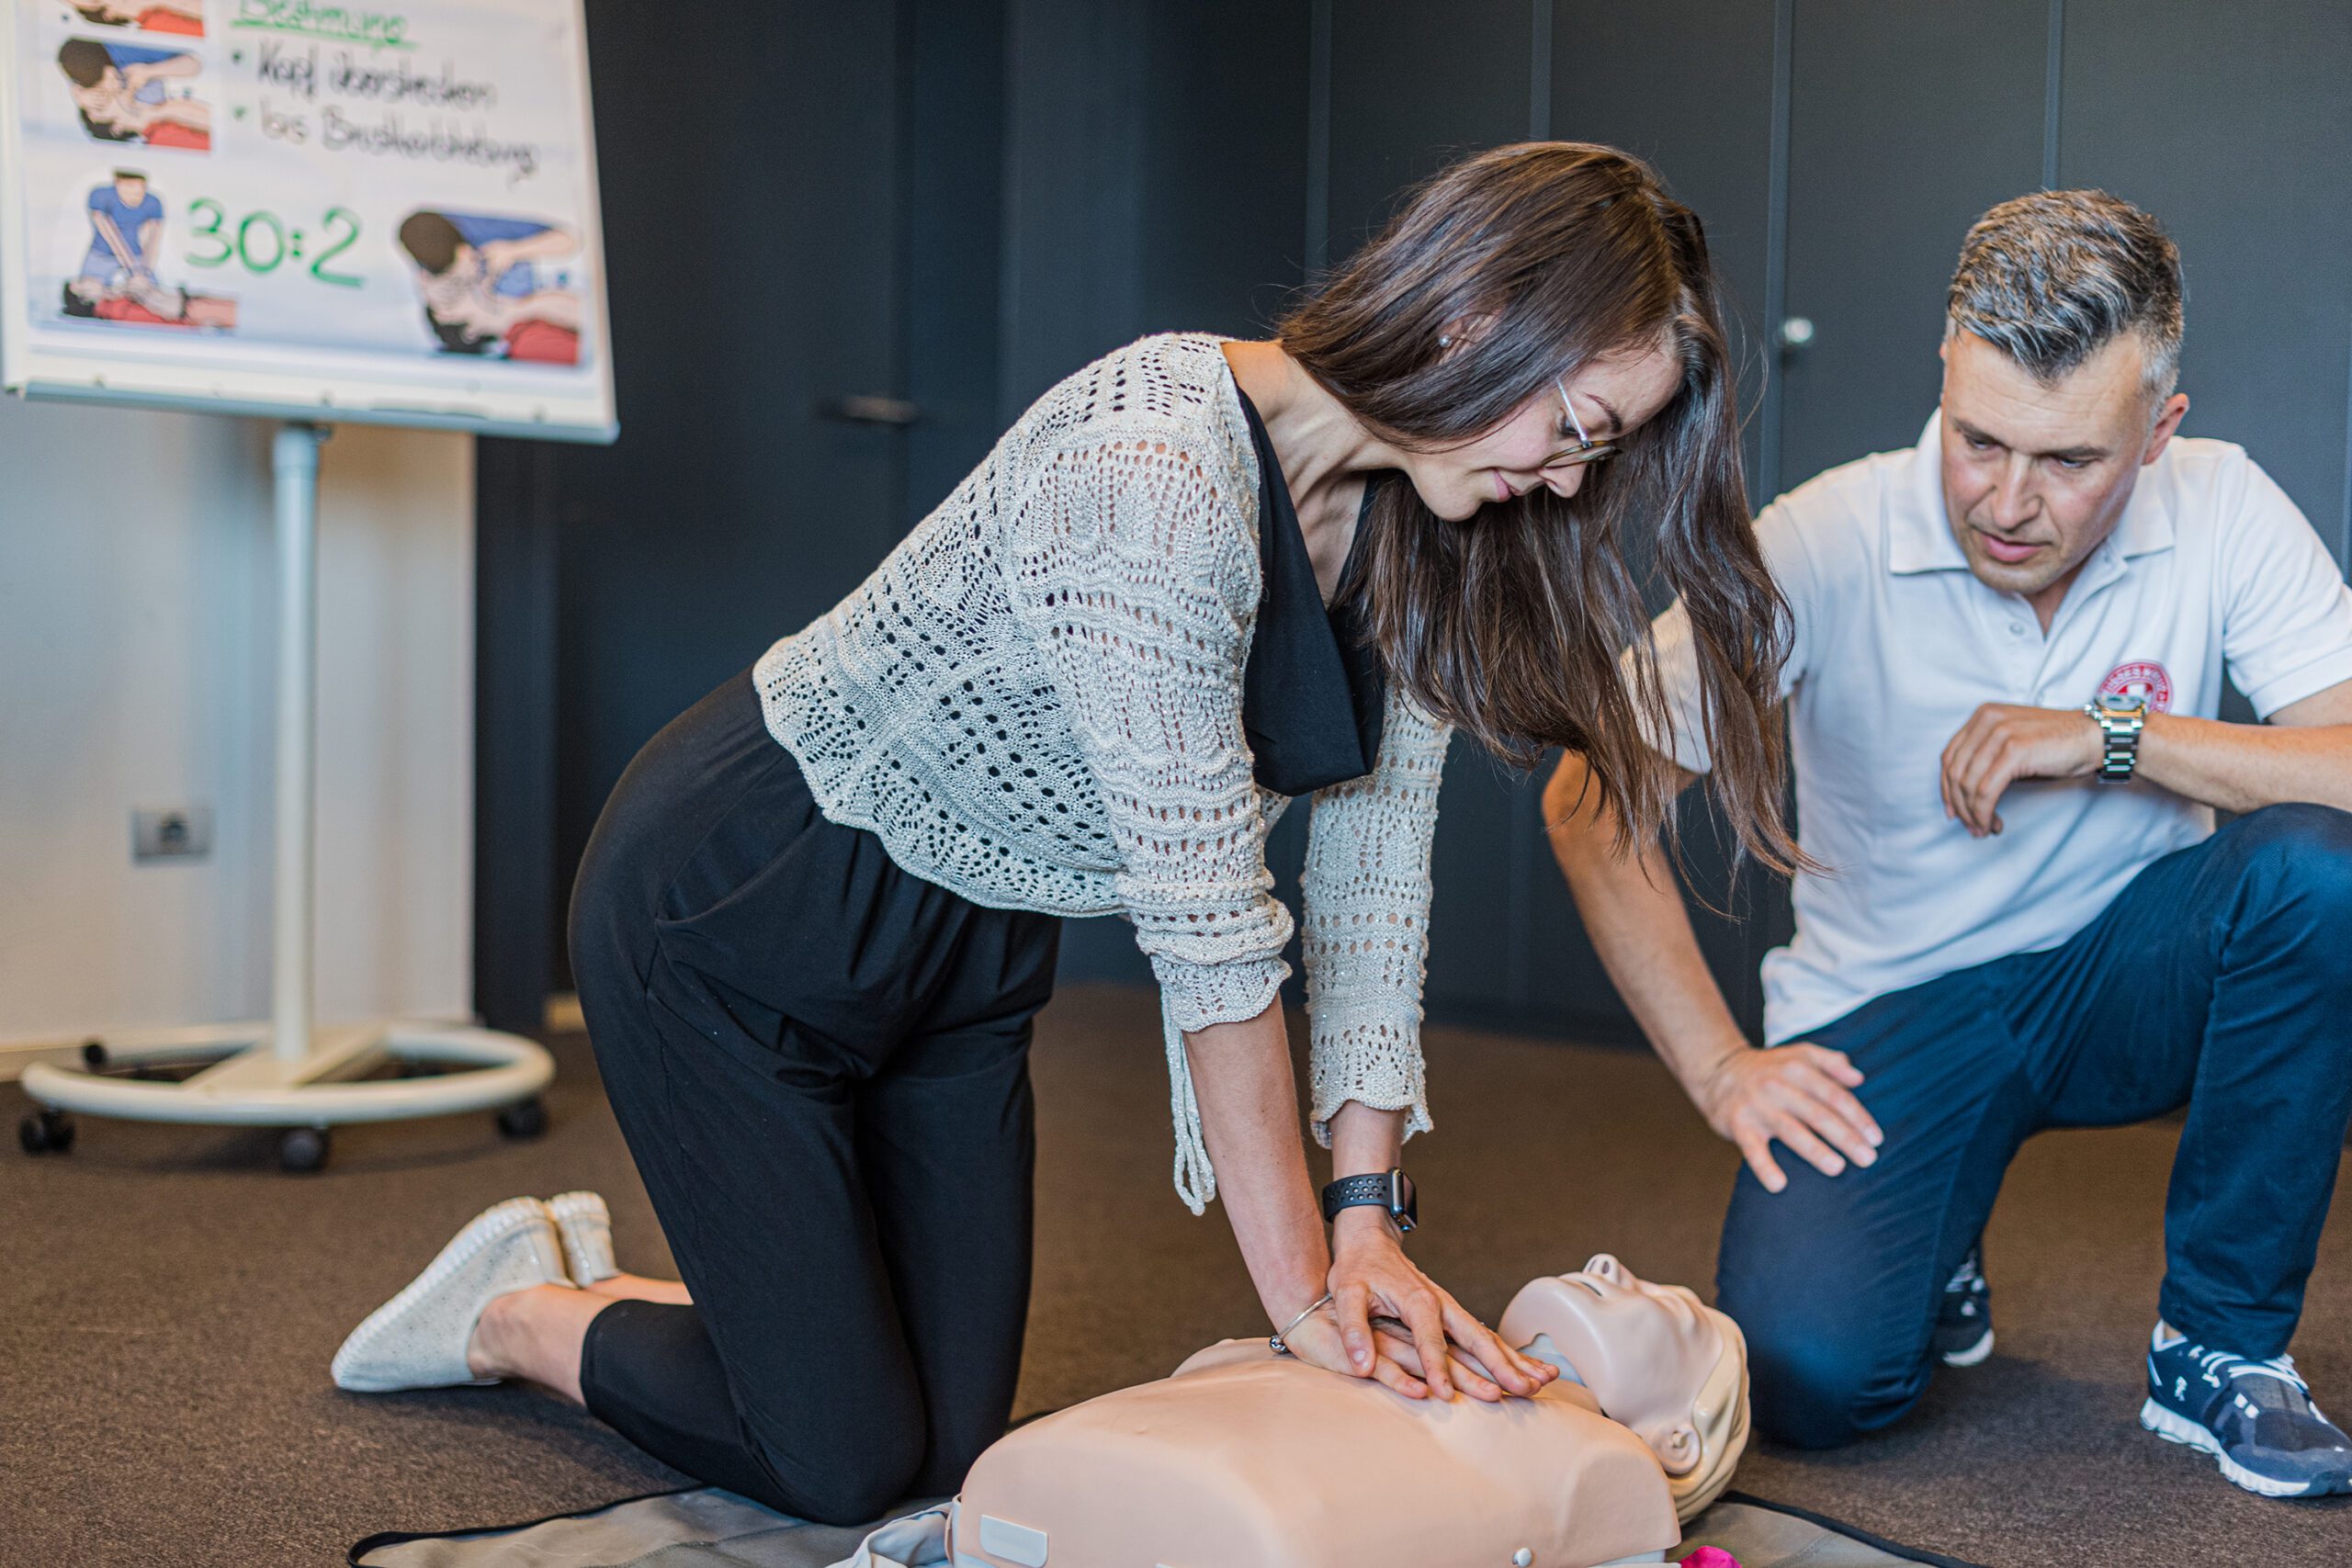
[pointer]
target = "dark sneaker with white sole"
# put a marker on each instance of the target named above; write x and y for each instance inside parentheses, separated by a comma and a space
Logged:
(1964, 1320)
(2256, 1418)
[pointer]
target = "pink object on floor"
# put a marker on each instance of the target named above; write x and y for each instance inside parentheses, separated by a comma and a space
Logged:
(1711, 1557)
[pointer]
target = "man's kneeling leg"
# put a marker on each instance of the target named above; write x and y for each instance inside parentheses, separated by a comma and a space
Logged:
(1836, 1281)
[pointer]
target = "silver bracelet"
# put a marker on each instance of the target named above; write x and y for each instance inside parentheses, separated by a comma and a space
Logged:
(1274, 1341)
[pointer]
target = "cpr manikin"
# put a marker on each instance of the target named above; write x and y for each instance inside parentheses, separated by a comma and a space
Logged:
(1670, 1368)
(1244, 1459)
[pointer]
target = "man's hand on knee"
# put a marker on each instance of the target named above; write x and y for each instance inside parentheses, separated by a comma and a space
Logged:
(1801, 1094)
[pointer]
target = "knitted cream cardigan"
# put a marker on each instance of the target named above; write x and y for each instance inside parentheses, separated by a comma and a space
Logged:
(1036, 701)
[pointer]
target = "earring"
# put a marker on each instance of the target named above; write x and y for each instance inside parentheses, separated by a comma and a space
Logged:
(1443, 341)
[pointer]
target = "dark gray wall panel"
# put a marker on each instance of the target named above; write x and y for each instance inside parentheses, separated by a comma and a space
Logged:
(1907, 119)
(953, 157)
(2233, 124)
(1414, 86)
(1073, 141)
(1223, 163)
(727, 514)
(1688, 85)
(1158, 181)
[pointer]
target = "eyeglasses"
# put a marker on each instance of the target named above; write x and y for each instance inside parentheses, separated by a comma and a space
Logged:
(1585, 450)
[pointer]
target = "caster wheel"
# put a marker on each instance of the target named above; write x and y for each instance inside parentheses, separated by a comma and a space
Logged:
(93, 1055)
(527, 1119)
(303, 1149)
(46, 1133)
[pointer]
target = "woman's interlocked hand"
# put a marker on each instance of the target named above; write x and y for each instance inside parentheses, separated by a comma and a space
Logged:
(1389, 1321)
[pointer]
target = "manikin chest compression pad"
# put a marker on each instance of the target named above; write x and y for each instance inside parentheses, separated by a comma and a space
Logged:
(1245, 1459)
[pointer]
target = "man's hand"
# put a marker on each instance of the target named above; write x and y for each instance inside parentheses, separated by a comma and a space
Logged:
(1799, 1093)
(2002, 743)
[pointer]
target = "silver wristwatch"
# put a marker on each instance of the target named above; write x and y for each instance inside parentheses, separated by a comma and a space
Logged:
(2121, 718)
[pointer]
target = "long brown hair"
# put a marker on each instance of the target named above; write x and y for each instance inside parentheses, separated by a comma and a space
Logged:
(1510, 625)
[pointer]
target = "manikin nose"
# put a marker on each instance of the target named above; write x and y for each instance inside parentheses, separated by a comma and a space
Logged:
(1604, 1266)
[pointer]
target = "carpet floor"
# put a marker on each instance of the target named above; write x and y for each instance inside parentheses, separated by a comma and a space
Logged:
(170, 1300)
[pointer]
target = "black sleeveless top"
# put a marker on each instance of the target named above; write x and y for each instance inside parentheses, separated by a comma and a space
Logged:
(1313, 689)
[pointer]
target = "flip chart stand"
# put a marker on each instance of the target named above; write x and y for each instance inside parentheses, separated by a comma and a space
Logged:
(289, 1072)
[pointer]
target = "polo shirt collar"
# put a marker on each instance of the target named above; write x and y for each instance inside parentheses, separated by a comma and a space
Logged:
(1920, 536)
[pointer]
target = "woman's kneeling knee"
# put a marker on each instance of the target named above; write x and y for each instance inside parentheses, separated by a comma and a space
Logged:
(849, 1481)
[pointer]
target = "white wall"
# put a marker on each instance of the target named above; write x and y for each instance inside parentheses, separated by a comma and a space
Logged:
(137, 641)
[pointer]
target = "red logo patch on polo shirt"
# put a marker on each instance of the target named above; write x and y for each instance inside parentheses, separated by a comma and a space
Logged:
(2141, 678)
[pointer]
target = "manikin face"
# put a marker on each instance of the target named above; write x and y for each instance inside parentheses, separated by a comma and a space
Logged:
(1643, 1350)
(1613, 396)
(2036, 476)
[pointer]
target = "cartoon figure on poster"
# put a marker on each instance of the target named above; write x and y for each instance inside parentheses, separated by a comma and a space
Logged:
(492, 286)
(127, 93)
(183, 16)
(117, 280)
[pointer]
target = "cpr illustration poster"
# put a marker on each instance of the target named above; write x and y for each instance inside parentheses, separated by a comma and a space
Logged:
(306, 208)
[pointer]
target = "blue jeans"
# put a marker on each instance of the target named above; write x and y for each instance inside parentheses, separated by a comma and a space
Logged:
(2221, 978)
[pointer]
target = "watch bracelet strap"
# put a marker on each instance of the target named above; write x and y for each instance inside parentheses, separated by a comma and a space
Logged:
(2119, 742)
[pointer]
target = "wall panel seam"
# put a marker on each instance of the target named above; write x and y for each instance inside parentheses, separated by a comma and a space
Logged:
(2053, 89)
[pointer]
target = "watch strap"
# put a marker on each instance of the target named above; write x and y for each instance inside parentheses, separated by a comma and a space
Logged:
(2119, 738)
(1389, 1191)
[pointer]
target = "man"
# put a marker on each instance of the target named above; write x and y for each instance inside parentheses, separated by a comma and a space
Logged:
(2008, 648)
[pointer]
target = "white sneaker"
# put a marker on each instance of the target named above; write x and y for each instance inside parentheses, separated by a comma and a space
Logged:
(418, 1338)
(586, 1226)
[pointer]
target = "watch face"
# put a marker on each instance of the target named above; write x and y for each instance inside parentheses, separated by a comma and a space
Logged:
(2122, 704)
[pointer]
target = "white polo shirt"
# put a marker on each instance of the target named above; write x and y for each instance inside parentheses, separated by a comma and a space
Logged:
(1898, 643)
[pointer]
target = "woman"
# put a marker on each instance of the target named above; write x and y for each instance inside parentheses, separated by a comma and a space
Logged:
(1196, 578)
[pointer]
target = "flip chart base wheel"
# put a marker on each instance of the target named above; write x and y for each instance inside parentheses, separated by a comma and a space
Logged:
(249, 1083)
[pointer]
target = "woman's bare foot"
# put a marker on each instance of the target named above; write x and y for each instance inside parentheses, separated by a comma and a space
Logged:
(637, 1287)
(535, 1334)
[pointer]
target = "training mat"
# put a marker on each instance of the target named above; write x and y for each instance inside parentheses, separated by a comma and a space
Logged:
(708, 1527)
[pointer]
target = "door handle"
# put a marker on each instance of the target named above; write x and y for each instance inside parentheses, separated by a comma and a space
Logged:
(869, 407)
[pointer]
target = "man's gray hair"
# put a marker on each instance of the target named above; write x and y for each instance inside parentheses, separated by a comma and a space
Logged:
(2052, 278)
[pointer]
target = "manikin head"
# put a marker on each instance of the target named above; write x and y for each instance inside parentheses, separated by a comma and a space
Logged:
(2062, 346)
(1658, 1359)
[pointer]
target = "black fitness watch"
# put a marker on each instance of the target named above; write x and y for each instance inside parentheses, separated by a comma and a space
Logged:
(1391, 1190)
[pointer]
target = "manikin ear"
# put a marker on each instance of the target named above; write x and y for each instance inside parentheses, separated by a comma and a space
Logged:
(1677, 1448)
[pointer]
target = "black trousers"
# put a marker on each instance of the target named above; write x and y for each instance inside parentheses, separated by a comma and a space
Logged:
(821, 1064)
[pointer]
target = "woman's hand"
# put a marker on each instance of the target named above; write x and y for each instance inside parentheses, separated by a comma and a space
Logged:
(1802, 1094)
(1394, 1322)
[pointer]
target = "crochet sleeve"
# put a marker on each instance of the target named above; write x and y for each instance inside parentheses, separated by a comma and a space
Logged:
(1367, 906)
(1140, 584)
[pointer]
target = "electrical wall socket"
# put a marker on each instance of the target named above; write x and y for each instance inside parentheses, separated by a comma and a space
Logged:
(174, 832)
